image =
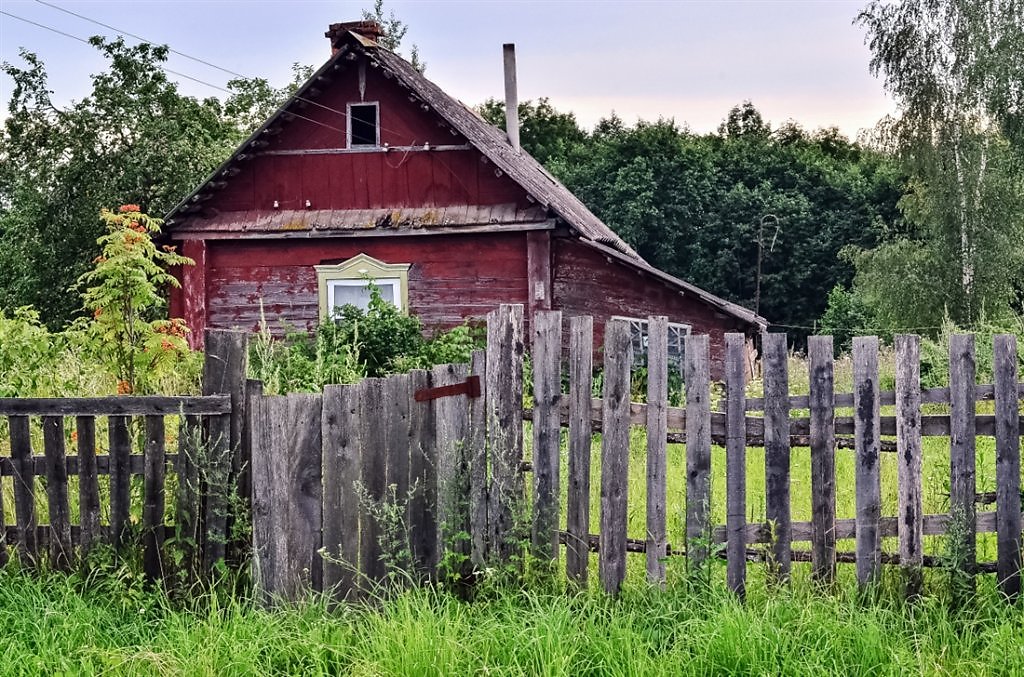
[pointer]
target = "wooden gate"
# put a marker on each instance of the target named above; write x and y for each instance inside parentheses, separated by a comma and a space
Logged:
(375, 480)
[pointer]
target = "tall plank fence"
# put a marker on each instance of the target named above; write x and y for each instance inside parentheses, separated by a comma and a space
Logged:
(404, 476)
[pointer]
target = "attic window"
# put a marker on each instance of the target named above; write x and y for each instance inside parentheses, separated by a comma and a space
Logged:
(363, 125)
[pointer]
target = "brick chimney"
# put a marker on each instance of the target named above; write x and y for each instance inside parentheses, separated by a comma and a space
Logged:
(371, 30)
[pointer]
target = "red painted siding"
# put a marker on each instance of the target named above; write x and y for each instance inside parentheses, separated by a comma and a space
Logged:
(452, 278)
(365, 180)
(588, 283)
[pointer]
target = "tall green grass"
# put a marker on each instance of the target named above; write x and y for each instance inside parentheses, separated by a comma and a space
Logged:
(67, 626)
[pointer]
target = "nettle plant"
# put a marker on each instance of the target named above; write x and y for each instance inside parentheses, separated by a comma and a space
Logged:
(122, 295)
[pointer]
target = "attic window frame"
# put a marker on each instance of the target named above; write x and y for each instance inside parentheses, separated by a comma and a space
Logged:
(348, 119)
(361, 270)
(639, 331)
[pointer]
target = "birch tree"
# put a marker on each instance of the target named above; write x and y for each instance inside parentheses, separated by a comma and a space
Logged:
(956, 71)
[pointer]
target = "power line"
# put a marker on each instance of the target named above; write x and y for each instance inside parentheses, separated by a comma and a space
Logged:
(174, 72)
(148, 42)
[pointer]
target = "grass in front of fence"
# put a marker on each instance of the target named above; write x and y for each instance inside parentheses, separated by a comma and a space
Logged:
(53, 624)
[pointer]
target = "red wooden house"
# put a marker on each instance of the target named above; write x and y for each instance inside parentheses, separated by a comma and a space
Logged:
(371, 169)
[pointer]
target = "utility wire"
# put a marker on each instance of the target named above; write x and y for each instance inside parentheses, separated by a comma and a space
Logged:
(192, 58)
(177, 73)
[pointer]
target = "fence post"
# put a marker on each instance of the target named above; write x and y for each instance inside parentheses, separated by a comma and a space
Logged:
(618, 359)
(736, 462)
(547, 397)
(581, 377)
(698, 449)
(962, 485)
(504, 391)
(1008, 517)
(657, 428)
(867, 431)
(823, 458)
(477, 447)
(224, 370)
(910, 524)
(777, 453)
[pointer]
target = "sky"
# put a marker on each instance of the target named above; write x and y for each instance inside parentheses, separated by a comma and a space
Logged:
(690, 61)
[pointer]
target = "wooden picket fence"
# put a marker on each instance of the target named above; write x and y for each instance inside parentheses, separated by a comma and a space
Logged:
(208, 461)
(412, 475)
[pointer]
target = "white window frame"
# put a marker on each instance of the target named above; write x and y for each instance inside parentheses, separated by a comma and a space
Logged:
(348, 122)
(360, 271)
(638, 332)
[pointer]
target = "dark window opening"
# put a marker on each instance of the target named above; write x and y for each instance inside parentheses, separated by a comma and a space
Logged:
(362, 125)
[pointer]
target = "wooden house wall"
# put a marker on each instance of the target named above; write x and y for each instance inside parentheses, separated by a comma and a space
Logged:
(370, 179)
(452, 278)
(587, 282)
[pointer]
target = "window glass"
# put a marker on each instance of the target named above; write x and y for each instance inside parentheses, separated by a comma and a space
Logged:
(362, 125)
(357, 293)
(639, 335)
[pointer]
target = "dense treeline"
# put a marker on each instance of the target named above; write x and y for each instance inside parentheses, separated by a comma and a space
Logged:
(698, 205)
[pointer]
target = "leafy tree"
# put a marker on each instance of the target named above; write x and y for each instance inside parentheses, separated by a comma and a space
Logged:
(394, 32)
(956, 69)
(122, 292)
(545, 133)
(134, 138)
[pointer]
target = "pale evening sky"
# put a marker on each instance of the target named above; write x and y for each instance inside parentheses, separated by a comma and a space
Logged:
(691, 61)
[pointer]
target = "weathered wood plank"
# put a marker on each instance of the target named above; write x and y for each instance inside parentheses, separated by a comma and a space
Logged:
(1008, 504)
(581, 377)
(153, 498)
(4, 555)
(218, 487)
(88, 483)
(547, 396)
(777, 452)
(478, 477)
(618, 359)
(931, 525)
(287, 495)
(735, 462)
(504, 428)
(868, 474)
(985, 392)
(24, 490)
(451, 421)
(962, 431)
(397, 398)
(698, 448)
(224, 367)
(423, 527)
(340, 424)
(823, 468)
(61, 554)
(908, 469)
(372, 480)
(657, 428)
(186, 514)
(117, 405)
(120, 444)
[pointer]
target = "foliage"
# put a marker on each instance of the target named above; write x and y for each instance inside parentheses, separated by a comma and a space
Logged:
(696, 206)
(935, 352)
(377, 341)
(956, 70)
(845, 317)
(394, 30)
(122, 293)
(72, 625)
(133, 139)
(544, 132)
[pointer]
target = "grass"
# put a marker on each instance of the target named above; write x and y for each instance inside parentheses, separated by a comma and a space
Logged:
(67, 626)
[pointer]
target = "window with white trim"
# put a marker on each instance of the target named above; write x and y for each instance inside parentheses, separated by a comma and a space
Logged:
(639, 334)
(363, 125)
(348, 283)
